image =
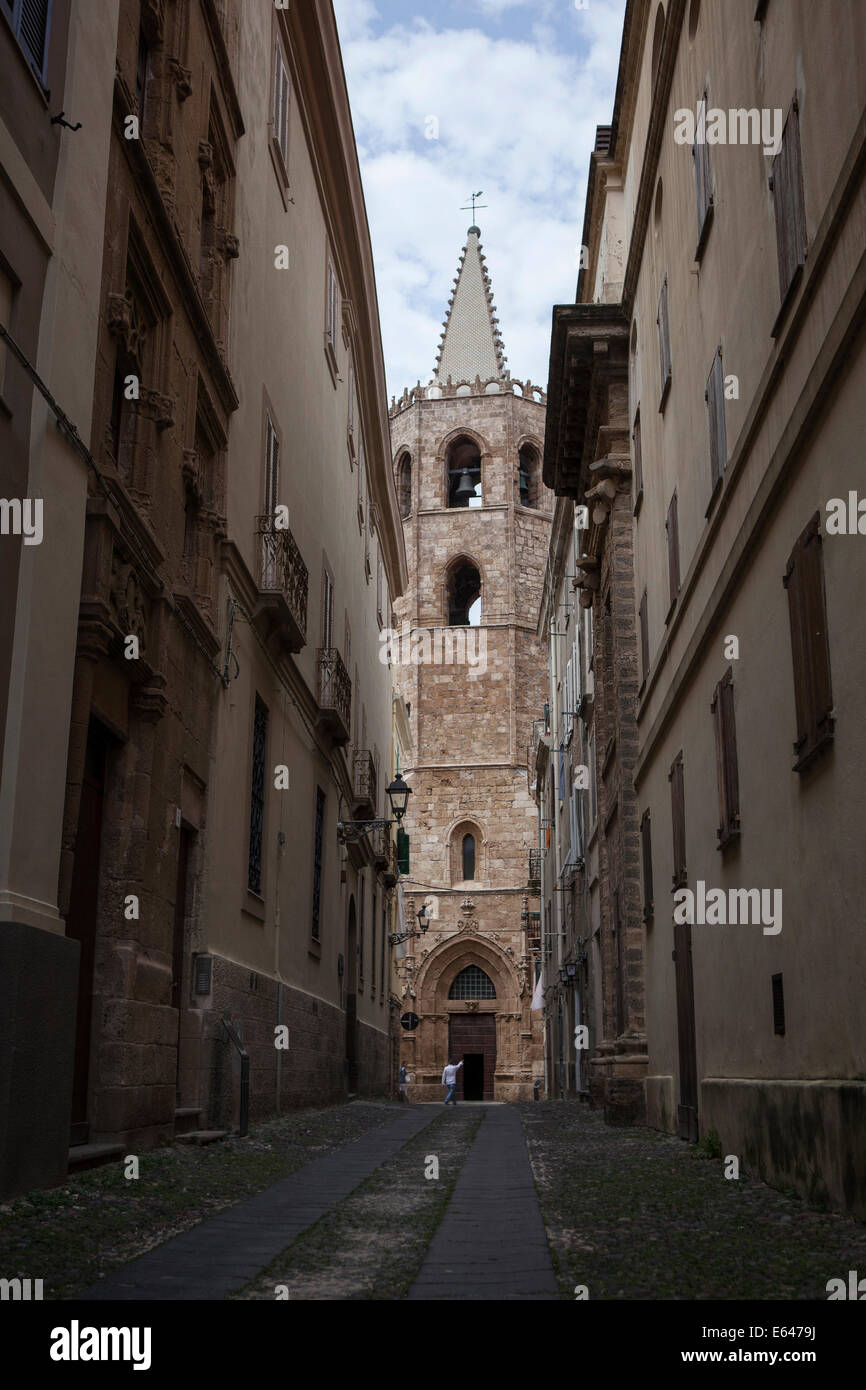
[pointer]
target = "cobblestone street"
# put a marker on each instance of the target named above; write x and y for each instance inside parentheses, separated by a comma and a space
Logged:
(481, 1202)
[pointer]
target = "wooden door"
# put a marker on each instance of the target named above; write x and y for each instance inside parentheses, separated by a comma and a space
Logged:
(688, 1103)
(471, 1035)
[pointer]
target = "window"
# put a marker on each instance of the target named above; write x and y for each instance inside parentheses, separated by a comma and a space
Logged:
(272, 468)
(703, 176)
(810, 650)
(644, 638)
(281, 108)
(722, 709)
(576, 848)
(30, 20)
(673, 531)
(404, 484)
(362, 484)
(257, 797)
(464, 595)
(380, 589)
(318, 847)
(678, 820)
(333, 309)
(658, 36)
(647, 858)
(141, 75)
(362, 900)
(663, 322)
(373, 946)
(472, 983)
(715, 398)
(350, 425)
(463, 465)
(786, 182)
(6, 292)
(384, 944)
(468, 857)
(528, 480)
(778, 1004)
(638, 463)
(327, 610)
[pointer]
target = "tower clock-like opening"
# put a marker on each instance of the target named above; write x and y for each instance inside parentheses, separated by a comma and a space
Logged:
(464, 473)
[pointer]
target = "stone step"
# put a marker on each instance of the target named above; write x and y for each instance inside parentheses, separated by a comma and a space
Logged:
(186, 1119)
(202, 1136)
(83, 1156)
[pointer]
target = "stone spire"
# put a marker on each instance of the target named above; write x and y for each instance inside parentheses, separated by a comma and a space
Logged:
(471, 344)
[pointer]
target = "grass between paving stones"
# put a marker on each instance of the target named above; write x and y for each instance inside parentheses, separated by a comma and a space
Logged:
(371, 1245)
(99, 1220)
(631, 1216)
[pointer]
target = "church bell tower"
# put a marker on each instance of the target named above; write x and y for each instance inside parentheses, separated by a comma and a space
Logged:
(467, 452)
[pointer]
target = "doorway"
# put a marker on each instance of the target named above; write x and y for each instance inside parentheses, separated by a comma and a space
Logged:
(352, 1000)
(81, 919)
(473, 1076)
(472, 1040)
(687, 1111)
(178, 952)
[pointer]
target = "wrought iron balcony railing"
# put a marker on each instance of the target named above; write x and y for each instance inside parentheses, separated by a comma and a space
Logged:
(283, 581)
(364, 789)
(334, 694)
(535, 871)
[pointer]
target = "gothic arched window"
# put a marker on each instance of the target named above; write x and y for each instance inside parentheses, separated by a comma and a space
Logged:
(529, 481)
(464, 595)
(404, 484)
(463, 470)
(472, 983)
(468, 856)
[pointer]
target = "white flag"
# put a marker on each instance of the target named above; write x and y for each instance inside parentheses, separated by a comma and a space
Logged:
(538, 995)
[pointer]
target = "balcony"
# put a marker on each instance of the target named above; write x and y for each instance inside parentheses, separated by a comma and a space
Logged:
(534, 884)
(364, 786)
(283, 582)
(334, 694)
(380, 844)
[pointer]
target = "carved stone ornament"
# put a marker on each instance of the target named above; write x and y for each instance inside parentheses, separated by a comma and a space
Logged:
(125, 325)
(472, 1005)
(153, 20)
(182, 79)
(157, 407)
(127, 600)
(228, 245)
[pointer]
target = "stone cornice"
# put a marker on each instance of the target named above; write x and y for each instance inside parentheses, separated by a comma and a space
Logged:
(587, 344)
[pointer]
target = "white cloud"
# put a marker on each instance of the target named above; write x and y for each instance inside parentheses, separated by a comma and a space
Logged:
(517, 115)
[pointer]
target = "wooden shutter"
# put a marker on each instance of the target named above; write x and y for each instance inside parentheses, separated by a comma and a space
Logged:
(722, 709)
(272, 468)
(678, 820)
(810, 650)
(33, 18)
(663, 321)
(644, 637)
(281, 105)
(673, 530)
(703, 175)
(327, 610)
(647, 859)
(715, 399)
(638, 458)
(787, 185)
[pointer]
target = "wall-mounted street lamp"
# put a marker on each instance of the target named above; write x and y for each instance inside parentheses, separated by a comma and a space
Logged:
(398, 793)
(423, 923)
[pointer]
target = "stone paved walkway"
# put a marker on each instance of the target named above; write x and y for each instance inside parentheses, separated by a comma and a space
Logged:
(491, 1243)
(219, 1256)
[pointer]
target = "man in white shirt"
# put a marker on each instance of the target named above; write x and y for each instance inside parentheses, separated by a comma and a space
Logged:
(449, 1078)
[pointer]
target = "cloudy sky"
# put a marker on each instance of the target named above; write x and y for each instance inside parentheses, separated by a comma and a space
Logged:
(517, 88)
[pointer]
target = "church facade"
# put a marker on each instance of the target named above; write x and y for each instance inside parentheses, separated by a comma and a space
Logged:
(467, 461)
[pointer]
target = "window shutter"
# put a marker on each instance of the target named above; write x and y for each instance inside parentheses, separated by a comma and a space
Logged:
(642, 622)
(672, 528)
(715, 399)
(789, 203)
(638, 457)
(664, 339)
(678, 819)
(810, 651)
(647, 858)
(703, 176)
(722, 709)
(272, 468)
(33, 32)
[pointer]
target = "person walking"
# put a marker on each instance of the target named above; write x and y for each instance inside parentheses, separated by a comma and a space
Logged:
(405, 1078)
(449, 1078)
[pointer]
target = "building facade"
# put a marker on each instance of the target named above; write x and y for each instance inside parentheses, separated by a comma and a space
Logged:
(53, 194)
(193, 657)
(467, 462)
(725, 228)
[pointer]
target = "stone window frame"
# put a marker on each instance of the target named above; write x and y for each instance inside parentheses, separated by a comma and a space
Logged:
(465, 825)
(462, 557)
(533, 442)
(485, 455)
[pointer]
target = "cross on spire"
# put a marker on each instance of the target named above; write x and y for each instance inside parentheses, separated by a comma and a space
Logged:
(473, 196)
